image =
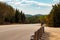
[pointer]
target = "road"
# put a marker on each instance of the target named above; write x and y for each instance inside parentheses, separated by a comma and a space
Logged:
(17, 31)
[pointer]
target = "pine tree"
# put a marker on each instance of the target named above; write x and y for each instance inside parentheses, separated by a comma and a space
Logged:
(17, 16)
(22, 17)
(54, 16)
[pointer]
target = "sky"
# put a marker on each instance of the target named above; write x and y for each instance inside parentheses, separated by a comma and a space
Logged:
(32, 7)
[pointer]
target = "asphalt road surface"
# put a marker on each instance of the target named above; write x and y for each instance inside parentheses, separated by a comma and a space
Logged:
(18, 31)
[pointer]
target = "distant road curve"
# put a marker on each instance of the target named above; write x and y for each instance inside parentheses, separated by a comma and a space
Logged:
(17, 31)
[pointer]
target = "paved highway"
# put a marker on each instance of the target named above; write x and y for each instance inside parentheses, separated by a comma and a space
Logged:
(17, 31)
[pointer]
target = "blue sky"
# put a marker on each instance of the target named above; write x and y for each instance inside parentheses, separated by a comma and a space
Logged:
(32, 6)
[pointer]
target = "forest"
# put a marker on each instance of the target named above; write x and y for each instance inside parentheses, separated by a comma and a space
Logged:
(53, 19)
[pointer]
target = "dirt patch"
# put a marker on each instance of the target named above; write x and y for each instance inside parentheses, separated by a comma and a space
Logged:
(53, 33)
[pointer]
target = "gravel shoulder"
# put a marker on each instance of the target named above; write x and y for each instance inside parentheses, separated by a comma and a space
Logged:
(51, 33)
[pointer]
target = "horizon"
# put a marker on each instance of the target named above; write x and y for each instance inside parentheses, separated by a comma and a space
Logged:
(32, 7)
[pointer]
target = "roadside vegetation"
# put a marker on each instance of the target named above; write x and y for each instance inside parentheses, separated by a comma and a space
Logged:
(53, 19)
(9, 15)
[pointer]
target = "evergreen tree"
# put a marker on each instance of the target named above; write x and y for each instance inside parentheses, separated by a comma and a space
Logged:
(17, 16)
(22, 17)
(54, 16)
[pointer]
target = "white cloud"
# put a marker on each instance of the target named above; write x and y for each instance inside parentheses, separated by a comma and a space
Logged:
(56, 0)
(15, 2)
(36, 11)
(24, 4)
(18, 4)
(39, 3)
(1, 0)
(30, 2)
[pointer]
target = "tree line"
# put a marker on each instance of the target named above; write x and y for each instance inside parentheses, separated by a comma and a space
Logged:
(33, 19)
(9, 15)
(53, 19)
